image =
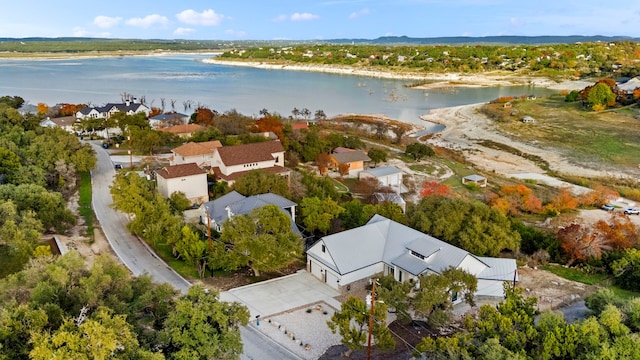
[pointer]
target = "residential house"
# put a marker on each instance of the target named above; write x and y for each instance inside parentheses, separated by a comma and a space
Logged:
(626, 89)
(350, 258)
(231, 162)
(66, 123)
(187, 178)
(475, 179)
(351, 157)
(168, 120)
(389, 197)
(200, 153)
(387, 176)
(218, 211)
(183, 131)
(104, 112)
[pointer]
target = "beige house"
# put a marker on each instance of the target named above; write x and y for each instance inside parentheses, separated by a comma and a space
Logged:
(353, 158)
(192, 152)
(231, 162)
(188, 178)
(184, 131)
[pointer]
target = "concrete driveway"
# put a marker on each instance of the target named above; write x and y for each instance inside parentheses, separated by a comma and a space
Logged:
(282, 294)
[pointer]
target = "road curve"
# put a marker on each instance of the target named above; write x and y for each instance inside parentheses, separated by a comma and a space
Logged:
(140, 259)
(133, 253)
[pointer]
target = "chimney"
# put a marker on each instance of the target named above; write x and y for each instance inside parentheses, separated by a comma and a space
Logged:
(127, 102)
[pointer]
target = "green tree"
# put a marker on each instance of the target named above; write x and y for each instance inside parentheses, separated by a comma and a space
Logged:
(601, 94)
(192, 249)
(262, 240)
(627, 269)
(352, 323)
(261, 182)
(317, 214)
(377, 155)
(203, 327)
(418, 150)
(179, 201)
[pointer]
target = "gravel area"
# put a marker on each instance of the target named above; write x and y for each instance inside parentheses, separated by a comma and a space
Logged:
(307, 334)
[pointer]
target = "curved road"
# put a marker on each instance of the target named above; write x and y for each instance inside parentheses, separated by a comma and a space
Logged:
(140, 259)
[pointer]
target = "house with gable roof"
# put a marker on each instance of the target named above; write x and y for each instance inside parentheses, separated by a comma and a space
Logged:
(355, 159)
(129, 107)
(218, 211)
(188, 178)
(167, 120)
(183, 131)
(382, 246)
(192, 152)
(231, 162)
(66, 123)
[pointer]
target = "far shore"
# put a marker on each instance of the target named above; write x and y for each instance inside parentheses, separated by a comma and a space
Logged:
(6, 55)
(432, 80)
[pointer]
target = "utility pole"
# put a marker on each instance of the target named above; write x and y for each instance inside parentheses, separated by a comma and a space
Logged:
(373, 301)
(130, 151)
(208, 228)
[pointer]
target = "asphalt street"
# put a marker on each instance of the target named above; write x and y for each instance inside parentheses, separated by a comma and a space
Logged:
(140, 259)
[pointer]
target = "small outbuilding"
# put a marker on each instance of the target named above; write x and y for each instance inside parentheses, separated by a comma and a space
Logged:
(528, 120)
(475, 179)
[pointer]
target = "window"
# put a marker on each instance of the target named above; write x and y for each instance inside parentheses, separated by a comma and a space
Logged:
(324, 248)
(454, 296)
(418, 255)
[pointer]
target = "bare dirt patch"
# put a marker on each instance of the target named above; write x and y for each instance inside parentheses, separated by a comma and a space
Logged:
(551, 290)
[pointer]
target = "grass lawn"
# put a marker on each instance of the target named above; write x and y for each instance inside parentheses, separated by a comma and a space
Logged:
(607, 137)
(186, 270)
(340, 187)
(590, 279)
(84, 202)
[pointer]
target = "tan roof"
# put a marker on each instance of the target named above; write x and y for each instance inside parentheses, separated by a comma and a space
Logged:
(350, 156)
(182, 129)
(195, 149)
(249, 153)
(182, 170)
(64, 121)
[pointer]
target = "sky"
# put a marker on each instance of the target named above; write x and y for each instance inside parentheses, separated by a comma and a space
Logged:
(314, 19)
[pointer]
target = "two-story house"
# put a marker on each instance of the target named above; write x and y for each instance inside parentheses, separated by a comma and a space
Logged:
(231, 162)
(189, 179)
(200, 153)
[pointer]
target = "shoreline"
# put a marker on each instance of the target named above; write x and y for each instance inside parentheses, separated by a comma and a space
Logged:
(447, 80)
(45, 56)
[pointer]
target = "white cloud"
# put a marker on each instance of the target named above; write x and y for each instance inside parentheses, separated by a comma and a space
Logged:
(148, 21)
(280, 18)
(205, 18)
(82, 32)
(303, 16)
(106, 22)
(183, 31)
(236, 33)
(357, 14)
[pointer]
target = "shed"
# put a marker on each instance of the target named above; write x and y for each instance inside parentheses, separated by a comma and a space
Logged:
(528, 119)
(476, 179)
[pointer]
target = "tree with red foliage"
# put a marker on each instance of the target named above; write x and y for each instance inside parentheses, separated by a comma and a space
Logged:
(434, 188)
(563, 201)
(619, 233)
(323, 160)
(270, 123)
(579, 243)
(204, 116)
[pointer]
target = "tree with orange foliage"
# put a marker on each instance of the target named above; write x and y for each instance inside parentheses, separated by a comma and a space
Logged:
(204, 116)
(599, 196)
(70, 109)
(563, 201)
(270, 123)
(343, 169)
(155, 111)
(323, 160)
(636, 94)
(42, 109)
(619, 233)
(434, 188)
(516, 198)
(579, 243)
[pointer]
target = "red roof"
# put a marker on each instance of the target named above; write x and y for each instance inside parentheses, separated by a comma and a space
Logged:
(249, 153)
(182, 170)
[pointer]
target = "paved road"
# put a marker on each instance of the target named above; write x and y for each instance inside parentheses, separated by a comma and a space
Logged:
(140, 259)
(132, 251)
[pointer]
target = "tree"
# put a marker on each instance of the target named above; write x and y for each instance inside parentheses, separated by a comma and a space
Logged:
(601, 94)
(179, 201)
(203, 327)
(317, 214)
(377, 155)
(262, 240)
(434, 188)
(192, 249)
(352, 323)
(323, 160)
(418, 150)
(627, 269)
(261, 182)
(580, 243)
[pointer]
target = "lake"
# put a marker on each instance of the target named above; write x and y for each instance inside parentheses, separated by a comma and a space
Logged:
(185, 78)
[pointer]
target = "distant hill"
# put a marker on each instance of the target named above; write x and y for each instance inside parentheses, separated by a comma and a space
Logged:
(459, 40)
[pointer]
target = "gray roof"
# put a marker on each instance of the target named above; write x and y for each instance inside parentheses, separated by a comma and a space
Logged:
(475, 177)
(390, 197)
(163, 117)
(384, 240)
(630, 85)
(239, 204)
(350, 156)
(383, 171)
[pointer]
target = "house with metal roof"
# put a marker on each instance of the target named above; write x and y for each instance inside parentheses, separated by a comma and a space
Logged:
(218, 211)
(353, 158)
(186, 178)
(387, 176)
(382, 246)
(475, 179)
(168, 119)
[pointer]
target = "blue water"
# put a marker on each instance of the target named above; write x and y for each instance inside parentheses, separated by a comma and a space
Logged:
(185, 77)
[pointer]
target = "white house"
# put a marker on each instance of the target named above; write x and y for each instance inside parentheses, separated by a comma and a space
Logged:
(167, 120)
(104, 112)
(387, 176)
(231, 162)
(218, 211)
(351, 257)
(187, 178)
(192, 152)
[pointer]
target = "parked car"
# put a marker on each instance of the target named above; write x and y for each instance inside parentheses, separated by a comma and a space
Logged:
(118, 167)
(608, 207)
(632, 211)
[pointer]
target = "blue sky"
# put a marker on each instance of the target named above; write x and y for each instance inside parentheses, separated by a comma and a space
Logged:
(315, 19)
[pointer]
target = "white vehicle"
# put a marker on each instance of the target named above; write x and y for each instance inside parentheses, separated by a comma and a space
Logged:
(632, 211)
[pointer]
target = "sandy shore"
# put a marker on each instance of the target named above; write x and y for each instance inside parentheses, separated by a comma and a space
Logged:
(435, 80)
